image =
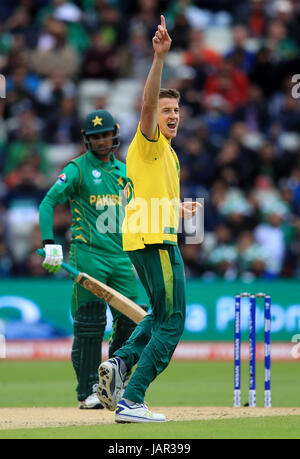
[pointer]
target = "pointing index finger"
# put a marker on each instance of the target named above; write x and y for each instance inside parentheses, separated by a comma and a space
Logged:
(163, 21)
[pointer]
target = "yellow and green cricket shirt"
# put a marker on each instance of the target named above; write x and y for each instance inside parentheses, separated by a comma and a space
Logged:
(152, 214)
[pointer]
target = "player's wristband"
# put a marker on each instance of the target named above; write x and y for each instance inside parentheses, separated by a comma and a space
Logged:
(48, 241)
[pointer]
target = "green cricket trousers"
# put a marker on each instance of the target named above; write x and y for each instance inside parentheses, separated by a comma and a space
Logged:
(152, 344)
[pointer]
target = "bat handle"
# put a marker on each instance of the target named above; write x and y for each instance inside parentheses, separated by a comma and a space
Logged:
(41, 252)
(72, 271)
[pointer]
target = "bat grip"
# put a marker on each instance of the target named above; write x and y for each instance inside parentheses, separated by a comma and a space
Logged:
(73, 272)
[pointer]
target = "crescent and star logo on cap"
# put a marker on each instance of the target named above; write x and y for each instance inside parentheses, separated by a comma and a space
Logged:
(97, 121)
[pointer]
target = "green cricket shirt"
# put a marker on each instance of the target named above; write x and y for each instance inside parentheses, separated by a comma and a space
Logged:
(95, 192)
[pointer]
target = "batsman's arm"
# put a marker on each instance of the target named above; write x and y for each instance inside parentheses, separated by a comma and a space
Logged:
(46, 214)
(58, 194)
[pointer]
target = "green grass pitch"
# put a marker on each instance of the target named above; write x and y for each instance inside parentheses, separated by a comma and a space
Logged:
(52, 384)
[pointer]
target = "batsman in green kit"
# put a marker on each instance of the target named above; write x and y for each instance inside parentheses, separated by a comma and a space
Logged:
(93, 184)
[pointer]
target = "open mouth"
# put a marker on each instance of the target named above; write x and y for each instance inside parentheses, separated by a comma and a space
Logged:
(172, 125)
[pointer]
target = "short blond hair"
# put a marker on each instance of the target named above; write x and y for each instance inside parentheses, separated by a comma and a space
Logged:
(169, 94)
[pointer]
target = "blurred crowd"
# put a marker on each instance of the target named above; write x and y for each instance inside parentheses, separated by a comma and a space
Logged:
(239, 139)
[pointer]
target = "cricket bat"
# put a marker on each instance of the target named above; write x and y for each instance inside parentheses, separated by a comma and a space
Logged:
(106, 293)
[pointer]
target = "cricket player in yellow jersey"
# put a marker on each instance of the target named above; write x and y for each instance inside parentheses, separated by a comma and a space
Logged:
(150, 239)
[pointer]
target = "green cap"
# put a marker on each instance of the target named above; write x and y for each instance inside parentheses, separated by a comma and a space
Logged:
(99, 121)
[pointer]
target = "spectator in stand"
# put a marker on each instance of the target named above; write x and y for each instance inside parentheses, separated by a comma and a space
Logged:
(237, 211)
(19, 23)
(281, 46)
(186, 81)
(6, 43)
(140, 52)
(228, 158)
(247, 154)
(199, 162)
(271, 164)
(288, 13)
(270, 236)
(253, 14)
(289, 116)
(64, 9)
(242, 57)
(23, 82)
(254, 114)
(54, 53)
(3, 136)
(266, 73)
(63, 127)
(180, 31)
(71, 15)
(19, 55)
(223, 257)
(199, 55)
(21, 87)
(113, 26)
(146, 17)
(24, 114)
(26, 178)
(277, 101)
(216, 117)
(22, 203)
(105, 16)
(230, 83)
(193, 260)
(101, 102)
(27, 146)
(52, 90)
(6, 260)
(251, 257)
(293, 183)
(100, 59)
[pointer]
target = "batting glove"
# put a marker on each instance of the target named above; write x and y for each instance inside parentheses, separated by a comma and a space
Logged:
(53, 257)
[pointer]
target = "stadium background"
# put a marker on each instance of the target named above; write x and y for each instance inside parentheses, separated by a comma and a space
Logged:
(238, 145)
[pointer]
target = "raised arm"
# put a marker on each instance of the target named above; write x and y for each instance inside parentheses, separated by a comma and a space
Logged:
(149, 116)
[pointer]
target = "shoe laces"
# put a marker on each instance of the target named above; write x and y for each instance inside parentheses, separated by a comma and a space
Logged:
(144, 405)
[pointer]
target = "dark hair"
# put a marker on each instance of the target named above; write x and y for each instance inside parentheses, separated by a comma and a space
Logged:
(169, 94)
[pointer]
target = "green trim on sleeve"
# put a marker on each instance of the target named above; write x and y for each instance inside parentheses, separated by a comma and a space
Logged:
(151, 140)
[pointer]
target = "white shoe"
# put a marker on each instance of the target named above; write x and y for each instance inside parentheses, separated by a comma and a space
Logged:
(92, 402)
(111, 383)
(136, 413)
